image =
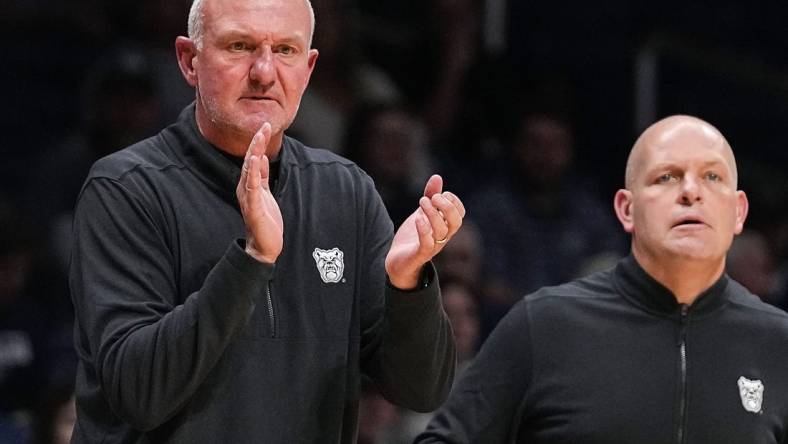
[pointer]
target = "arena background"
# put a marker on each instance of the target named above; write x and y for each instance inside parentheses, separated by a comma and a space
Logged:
(466, 73)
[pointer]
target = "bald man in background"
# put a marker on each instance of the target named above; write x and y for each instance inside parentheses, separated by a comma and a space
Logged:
(663, 348)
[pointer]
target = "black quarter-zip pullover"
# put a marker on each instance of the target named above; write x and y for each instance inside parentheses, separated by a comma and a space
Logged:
(184, 338)
(613, 358)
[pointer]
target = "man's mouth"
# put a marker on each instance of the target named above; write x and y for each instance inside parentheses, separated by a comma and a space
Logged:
(689, 222)
(259, 98)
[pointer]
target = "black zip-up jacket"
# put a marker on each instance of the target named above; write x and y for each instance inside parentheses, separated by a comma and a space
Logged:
(613, 358)
(184, 338)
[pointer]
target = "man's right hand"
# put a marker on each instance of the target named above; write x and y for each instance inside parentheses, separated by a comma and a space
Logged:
(263, 219)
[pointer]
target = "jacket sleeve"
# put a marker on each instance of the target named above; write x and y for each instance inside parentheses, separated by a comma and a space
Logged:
(148, 352)
(407, 346)
(485, 404)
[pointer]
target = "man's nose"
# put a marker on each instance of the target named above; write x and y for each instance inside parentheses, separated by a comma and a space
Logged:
(690, 190)
(263, 70)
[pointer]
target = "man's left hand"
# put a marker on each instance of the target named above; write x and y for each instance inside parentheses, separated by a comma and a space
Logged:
(423, 234)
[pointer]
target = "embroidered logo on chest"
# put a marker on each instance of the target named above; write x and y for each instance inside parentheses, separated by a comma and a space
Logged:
(751, 393)
(330, 264)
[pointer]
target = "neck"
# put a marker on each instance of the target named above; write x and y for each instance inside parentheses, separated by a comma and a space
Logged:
(686, 278)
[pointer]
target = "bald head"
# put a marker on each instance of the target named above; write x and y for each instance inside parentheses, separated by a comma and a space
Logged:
(195, 25)
(686, 131)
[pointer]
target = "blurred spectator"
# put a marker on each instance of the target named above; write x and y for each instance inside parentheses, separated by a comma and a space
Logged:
(119, 107)
(378, 418)
(459, 267)
(751, 262)
(152, 25)
(466, 96)
(341, 81)
(28, 351)
(41, 98)
(84, 16)
(65, 419)
(56, 417)
(398, 35)
(461, 260)
(462, 307)
(781, 255)
(457, 30)
(767, 191)
(390, 145)
(542, 221)
(598, 262)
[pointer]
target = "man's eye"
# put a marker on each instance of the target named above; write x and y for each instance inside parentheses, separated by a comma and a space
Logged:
(286, 50)
(237, 46)
(713, 176)
(667, 177)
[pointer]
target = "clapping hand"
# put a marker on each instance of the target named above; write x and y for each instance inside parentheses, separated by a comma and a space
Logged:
(423, 234)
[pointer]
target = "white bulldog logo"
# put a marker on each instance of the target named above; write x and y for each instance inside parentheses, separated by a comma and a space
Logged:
(751, 393)
(330, 264)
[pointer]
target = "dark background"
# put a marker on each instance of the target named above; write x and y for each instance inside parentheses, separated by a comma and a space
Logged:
(722, 60)
(607, 68)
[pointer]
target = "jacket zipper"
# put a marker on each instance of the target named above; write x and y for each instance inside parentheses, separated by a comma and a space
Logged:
(276, 191)
(270, 302)
(680, 433)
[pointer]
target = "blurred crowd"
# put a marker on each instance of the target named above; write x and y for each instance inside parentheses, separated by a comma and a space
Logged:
(403, 88)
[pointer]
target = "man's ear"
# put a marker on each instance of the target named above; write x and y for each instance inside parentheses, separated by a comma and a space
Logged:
(622, 203)
(742, 208)
(311, 61)
(186, 51)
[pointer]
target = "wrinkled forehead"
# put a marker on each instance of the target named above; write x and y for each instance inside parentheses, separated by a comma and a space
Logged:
(291, 15)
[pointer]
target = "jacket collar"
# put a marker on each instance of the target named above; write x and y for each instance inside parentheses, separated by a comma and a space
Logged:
(642, 290)
(207, 161)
